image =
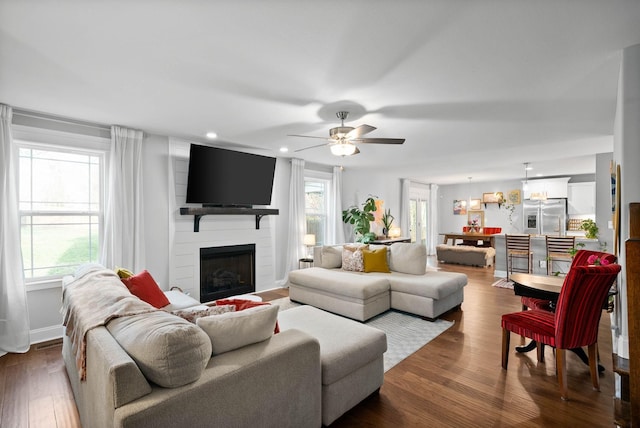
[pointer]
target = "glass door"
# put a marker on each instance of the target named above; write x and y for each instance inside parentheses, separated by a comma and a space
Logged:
(418, 218)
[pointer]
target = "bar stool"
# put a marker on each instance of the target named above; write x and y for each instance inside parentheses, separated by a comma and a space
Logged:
(519, 247)
(559, 250)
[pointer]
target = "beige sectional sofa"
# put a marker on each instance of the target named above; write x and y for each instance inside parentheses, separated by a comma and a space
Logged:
(147, 367)
(407, 287)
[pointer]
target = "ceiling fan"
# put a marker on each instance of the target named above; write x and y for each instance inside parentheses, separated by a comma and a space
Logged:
(343, 139)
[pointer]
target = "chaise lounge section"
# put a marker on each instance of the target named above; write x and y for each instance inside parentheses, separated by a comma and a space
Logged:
(406, 285)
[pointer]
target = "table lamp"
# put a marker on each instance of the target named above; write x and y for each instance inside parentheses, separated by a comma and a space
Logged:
(309, 241)
(395, 232)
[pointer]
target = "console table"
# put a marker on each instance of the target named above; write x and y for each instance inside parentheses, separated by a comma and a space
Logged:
(390, 241)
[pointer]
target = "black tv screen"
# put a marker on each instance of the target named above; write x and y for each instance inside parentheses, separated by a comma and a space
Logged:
(220, 177)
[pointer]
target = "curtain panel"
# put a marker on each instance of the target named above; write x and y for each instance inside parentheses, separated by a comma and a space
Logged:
(14, 316)
(123, 243)
(297, 226)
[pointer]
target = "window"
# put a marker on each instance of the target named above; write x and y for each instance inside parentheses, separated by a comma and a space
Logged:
(316, 191)
(60, 197)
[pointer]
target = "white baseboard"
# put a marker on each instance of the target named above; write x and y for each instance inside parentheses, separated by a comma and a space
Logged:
(44, 334)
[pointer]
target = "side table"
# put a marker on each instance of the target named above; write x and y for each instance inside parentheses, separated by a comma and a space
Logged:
(305, 261)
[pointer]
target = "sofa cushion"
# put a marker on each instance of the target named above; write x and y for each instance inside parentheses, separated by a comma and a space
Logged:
(242, 304)
(143, 286)
(169, 351)
(375, 260)
(234, 330)
(356, 285)
(435, 285)
(352, 258)
(408, 258)
(331, 257)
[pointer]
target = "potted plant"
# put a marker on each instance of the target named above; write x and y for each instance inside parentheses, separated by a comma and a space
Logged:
(361, 219)
(387, 221)
(591, 229)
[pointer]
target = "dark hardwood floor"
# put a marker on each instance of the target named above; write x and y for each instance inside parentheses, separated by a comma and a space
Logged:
(456, 380)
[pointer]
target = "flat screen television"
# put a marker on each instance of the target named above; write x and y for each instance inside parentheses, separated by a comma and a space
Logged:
(226, 178)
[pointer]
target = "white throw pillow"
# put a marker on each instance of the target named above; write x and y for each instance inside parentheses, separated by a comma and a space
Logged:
(179, 300)
(234, 330)
(331, 257)
(408, 258)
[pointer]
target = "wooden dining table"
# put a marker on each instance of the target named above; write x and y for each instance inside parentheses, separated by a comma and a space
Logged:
(470, 236)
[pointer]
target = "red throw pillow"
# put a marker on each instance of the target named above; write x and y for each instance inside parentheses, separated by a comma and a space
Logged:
(242, 304)
(145, 288)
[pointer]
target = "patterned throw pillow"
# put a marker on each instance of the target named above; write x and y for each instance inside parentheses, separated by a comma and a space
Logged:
(352, 258)
(193, 315)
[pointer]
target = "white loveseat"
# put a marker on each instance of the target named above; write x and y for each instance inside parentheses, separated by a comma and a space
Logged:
(408, 287)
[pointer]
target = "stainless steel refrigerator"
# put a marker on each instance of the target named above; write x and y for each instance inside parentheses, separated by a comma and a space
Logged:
(547, 217)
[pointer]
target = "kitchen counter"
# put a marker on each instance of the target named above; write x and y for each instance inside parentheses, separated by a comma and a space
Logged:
(539, 248)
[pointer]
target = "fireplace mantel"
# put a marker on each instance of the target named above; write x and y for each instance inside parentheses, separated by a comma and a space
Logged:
(198, 212)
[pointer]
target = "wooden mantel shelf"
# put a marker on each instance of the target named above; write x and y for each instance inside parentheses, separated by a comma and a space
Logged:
(197, 213)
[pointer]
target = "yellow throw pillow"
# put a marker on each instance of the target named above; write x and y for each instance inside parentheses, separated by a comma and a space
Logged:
(123, 273)
(375, 260)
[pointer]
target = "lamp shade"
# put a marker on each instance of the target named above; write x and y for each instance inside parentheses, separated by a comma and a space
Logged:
(395, 232)
(343, 149)
(309, 240)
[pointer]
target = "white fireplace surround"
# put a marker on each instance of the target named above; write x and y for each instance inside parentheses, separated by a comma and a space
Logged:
(215, 231)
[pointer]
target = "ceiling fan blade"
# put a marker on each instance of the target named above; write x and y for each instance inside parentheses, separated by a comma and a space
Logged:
(307, 136)
(380, 140)
(311, 147)
(359, 131)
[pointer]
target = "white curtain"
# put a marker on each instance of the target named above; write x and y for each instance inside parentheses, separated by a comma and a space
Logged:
(297, 224)
(405, 222)
(124, 228)
(335, 224)
(14, 317)
(432, 220)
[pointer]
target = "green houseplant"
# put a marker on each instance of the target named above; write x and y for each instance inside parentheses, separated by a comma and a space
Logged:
(361, 219)
(591, 229)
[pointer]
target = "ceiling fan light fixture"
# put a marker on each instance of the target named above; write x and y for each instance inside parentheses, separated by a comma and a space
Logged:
(343, 149)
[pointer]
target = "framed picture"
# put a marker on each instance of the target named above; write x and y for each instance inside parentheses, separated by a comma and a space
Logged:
(477, 216)
(459, 207)
(493, 198)
(475, 204)
(514, 197)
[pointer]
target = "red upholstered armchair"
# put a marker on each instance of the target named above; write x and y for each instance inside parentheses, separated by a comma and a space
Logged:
(575, 322)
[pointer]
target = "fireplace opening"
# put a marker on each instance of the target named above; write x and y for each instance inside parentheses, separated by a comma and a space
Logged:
(227, 271)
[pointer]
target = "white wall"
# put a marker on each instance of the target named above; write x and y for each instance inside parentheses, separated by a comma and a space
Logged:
(358, 184)
(494, 216)
(626, 154)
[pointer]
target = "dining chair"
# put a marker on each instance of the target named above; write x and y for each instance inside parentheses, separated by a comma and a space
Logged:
(580, 258)
(559, 250)
(518, 248)
(574, 323)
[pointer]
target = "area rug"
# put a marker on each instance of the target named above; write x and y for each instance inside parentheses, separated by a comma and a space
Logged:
(405, 333)
(503, 283)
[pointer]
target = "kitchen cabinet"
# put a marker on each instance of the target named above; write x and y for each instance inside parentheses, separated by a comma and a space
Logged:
(582, 198)
(549, 188)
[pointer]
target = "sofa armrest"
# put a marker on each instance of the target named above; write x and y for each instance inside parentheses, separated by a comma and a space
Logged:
(273, 383)
(113, 378)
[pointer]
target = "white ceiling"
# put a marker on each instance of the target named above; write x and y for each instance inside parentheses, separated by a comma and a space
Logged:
(476, 87)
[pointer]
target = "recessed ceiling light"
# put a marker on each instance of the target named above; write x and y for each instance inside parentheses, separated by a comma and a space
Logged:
(212, 135)
(284, 149)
